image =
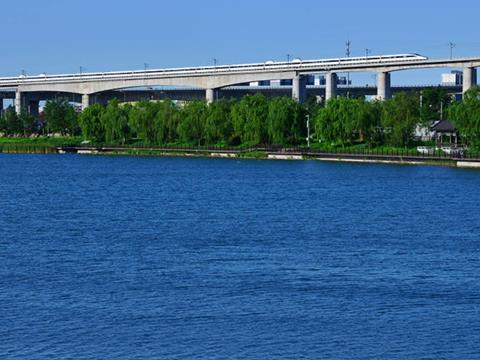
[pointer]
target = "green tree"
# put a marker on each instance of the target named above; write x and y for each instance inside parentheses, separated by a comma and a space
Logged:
(339, 120)
(91, 124)
(166, 122)
(434, 103)
(400, 115)
(218, 123)
(347, 120)
(115, 122)
(249, 117)
(192, 124)
(11, 123)
(27, 122)
(466, 116)
(141, 119)
(286, 121)
(369, 123)
(60, 116)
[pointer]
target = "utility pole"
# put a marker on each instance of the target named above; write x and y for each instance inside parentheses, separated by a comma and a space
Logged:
(145, 66)
(215, 61)
(81, 69)
(367, 52)
(347, 47)
(288, 58)
(452, 45)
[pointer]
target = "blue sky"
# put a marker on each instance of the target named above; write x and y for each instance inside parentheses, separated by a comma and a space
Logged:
(57, 36)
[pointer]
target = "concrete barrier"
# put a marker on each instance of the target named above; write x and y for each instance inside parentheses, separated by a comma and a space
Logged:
(468, 164)
(285, 157)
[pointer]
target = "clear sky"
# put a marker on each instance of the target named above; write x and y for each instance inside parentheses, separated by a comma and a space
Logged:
(57, 36)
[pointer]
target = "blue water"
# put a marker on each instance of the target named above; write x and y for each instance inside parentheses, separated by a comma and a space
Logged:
(173, 258)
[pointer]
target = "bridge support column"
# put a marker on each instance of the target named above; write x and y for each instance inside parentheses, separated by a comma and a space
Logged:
(383, 85)
(330, 85)
(18, 101)
(469, 78)
(299, 89)
(1, 105)
(210, 95)
(85, 101)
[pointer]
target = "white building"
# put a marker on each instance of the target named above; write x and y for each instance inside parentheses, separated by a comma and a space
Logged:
(455, 77)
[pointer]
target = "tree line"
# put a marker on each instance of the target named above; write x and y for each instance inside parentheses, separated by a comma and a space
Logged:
(254, 120)
(59, 116)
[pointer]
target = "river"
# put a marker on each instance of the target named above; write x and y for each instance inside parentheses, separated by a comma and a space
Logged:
(186, 258)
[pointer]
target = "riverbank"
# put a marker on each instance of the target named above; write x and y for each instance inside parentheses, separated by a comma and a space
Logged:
(389, 156)
(275, 154)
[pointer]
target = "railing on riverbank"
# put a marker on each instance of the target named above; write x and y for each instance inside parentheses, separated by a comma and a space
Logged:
(366, 154)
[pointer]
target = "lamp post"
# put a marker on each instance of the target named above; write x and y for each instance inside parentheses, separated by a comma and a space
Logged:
(308, 130)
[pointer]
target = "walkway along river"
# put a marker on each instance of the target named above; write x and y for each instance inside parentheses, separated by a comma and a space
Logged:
(294, 153)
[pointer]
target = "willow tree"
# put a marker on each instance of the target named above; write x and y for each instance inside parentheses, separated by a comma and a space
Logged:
(166, 122)
(141, 121)
(91, 124)
(218, 122)
(285, 121)
(115, 122)
(466, 116)
(249, 119)
(400, 115)
(337, 121)
(192, 123)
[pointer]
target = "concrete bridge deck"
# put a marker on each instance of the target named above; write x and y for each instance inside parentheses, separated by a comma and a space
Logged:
(215, 79)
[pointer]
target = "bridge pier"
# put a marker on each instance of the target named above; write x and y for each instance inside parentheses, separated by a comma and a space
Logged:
(330, 85)
(85, 101)
(18, 101)
(469, 78)
(299, 88)
(1, 105)
(383, 85)
(210, 95)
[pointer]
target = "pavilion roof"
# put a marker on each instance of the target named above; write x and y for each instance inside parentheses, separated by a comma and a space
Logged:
(443, 126)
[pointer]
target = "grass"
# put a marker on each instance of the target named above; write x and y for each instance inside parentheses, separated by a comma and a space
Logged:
(46, 144)
(37, 145)
(42, 140)
(253, 155)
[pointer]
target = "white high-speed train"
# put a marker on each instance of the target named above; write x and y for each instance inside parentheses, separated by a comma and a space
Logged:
(296, 64)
